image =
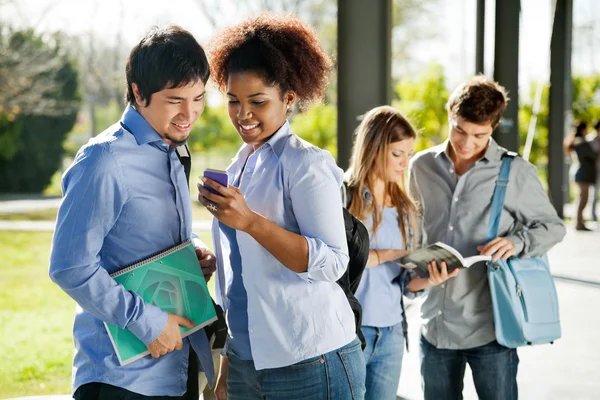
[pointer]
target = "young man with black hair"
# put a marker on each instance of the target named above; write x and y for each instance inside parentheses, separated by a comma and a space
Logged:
(454, 183)
(125, 197)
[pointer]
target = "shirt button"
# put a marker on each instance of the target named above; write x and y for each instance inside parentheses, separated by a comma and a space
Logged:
(443, 285)
(251, 330)
(450, 228)
(248, 170)
(242, 275)
(440, 312)
(455, 199)
(451, 170)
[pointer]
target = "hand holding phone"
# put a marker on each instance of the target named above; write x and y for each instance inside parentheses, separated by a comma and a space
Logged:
(216, 175)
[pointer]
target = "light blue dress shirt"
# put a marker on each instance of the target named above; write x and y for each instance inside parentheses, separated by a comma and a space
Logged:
(125, 197)
(380, 289)
(237, 298)
(291, 316)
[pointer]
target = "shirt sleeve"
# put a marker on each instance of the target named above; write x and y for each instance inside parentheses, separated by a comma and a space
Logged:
(317, 205)
(93, 198)
(541, 227)
(197, 242)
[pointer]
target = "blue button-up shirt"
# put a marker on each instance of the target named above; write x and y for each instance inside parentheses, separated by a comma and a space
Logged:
(291, 316)
(380, 288)
(125, 197)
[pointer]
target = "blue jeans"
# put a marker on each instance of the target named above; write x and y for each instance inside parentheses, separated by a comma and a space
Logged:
(339, 374)
(494, 371)
(383, 356)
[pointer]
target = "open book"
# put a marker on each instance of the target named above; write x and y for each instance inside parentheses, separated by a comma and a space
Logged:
(172, 280)
(418, 260)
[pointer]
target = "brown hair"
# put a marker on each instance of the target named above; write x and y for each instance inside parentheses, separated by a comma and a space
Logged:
(380, 127)
(281, 49)
(478, 100)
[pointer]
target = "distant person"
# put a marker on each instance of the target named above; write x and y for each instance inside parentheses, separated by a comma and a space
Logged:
(125, 197)
(279, 230)
(383, 146)
(587, 172)
(455, 182)
(595, 142)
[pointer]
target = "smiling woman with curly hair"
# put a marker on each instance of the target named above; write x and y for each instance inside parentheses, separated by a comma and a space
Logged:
(278, 229)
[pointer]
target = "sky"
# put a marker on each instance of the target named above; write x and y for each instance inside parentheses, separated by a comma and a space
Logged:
(453, 47)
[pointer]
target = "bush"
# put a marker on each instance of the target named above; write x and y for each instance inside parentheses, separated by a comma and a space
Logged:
(36, 134)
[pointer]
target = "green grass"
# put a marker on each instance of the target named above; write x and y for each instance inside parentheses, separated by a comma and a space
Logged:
(199, 212)
(36, 319)
(48, 214)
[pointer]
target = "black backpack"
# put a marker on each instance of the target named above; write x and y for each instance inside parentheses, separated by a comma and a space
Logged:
(357, 237)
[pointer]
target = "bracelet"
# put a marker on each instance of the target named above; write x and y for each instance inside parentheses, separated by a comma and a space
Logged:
(378, 259)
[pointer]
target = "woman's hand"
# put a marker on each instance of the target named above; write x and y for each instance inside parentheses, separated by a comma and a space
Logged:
(221, 386)
(230, 207)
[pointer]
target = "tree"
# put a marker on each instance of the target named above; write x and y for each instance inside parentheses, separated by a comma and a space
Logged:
(423, 102)
(318, 125)
(585, 106)
(37, 112)
(29, 76)
(214, 130)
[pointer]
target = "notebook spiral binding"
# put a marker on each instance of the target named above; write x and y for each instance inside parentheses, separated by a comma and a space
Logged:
(150, 259)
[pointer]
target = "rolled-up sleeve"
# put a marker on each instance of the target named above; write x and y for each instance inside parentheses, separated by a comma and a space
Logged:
(93, 198)
(317, 205)
(542, 227)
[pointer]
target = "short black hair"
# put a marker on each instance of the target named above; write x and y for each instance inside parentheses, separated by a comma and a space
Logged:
(164, 59)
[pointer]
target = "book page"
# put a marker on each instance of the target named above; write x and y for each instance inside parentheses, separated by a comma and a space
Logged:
(467, 262)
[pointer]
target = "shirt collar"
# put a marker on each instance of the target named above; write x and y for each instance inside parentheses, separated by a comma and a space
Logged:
(133, 122)
(276, 143)
(278, 140)
(492, 153)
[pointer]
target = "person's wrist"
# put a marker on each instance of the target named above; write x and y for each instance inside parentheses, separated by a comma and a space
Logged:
(254, 224)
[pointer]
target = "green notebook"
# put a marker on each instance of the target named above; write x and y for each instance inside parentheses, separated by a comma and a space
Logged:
(171, 280)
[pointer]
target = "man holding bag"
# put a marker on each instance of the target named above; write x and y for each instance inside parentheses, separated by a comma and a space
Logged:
(454, 183)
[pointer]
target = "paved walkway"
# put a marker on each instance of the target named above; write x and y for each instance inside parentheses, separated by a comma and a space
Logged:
(568, 369)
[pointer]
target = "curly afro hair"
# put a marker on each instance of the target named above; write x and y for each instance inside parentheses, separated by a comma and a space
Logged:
(281, 49)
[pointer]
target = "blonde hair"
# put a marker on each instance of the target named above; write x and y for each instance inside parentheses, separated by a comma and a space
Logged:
(380, 127)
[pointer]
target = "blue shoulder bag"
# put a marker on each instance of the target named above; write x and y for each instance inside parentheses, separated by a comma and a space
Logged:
(523, 293)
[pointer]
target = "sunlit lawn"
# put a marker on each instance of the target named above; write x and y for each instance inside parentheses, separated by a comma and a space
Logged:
(199, 212)
(36, 319)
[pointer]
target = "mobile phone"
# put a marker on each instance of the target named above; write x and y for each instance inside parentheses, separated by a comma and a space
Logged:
(216, 175)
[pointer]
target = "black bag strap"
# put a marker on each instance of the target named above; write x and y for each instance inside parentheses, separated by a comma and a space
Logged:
(346, 195)
(183, 153)
(217, 331)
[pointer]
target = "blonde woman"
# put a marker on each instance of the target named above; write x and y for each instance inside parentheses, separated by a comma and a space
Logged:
(384, 144)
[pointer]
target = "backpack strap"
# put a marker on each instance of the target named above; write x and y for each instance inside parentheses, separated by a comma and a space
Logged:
(183, 153)
(499, 194)
(346, 195)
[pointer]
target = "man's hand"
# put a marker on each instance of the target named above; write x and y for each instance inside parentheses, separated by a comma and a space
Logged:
(498, 248)
(207, 262)
(437, 276)
(170, 337)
